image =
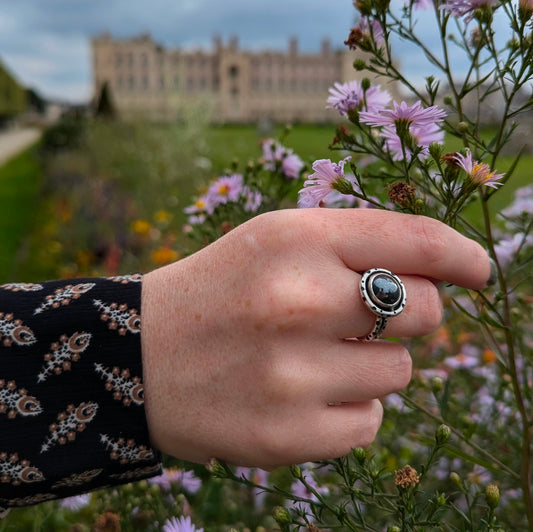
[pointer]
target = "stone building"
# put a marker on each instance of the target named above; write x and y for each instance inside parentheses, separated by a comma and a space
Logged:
(147, 80)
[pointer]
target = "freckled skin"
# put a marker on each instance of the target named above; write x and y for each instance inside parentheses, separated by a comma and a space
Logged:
(247, 342)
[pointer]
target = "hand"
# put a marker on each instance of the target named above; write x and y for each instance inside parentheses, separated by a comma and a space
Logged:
(245, 342)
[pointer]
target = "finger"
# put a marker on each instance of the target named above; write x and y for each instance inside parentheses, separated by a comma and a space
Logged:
(344, 315)
(405, 244)
(351, 371)
(353, 425)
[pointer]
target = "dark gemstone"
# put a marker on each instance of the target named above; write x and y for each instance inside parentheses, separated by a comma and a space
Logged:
(386, 289)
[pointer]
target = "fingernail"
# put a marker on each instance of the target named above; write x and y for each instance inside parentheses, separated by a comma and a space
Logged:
(493, 273)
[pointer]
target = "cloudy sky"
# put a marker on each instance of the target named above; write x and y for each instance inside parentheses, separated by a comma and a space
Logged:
(46, 43)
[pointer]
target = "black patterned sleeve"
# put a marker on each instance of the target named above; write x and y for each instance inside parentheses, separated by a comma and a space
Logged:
(71, 394)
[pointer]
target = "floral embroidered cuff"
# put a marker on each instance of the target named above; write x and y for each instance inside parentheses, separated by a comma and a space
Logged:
(71, 394)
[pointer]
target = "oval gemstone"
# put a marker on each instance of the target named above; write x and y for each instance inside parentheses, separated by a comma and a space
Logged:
(386, 289)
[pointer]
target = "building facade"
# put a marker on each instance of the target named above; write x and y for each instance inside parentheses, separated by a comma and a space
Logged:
(147, 80)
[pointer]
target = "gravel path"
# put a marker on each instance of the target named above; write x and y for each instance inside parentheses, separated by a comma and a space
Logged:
(15, 141)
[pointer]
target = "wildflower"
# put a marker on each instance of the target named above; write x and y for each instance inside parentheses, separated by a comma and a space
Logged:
(522, 204)
(350, 95)
(492, 495)
(141, 227)
(406, 477)
(468, 8)
(401, 193)
(107, 522)
(299, 489)
(166, 479)
(201, 206)
(162, 216)
(252, 199)
(478, 173)
(181, 524)
(422, 136)
(327, 176)
(276, 155)
(507, 248)
(165, 255)
(404, 117)
(466, 359)
(367, 34)
(77, 502)
(225, 189)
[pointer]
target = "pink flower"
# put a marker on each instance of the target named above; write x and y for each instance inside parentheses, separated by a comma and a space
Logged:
(224, 189)
(350, 95)
(479, 173)
(277, 156)
(507, 249)
(467, 8)
(76, 502)
(414, 117)
(423, 137)
(321, 182)
(181, 524)
(371, 31)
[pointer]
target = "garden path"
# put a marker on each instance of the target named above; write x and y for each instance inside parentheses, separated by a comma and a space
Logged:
(16, 140)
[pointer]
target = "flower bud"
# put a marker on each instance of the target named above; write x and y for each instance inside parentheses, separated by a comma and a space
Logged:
(447, 100)
(359, 65)
(296, 471)
(216, 468)
(435, 150)
(281, 515)
(360, 455)
(462, 127)
(437, 384)
(343, 186)
(442, 435)
(441, 500)
(365, 84)
(456, 479)
(393, 529)
(492, 495)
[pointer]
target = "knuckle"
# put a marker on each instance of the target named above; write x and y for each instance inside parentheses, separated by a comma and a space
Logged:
(429, 239)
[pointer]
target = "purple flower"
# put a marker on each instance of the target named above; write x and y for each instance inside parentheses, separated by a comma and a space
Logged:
(507, 249)
(252, 199)
(414, 117)
(350, 95)
(77, 502)
(321, 182)
(467, 8)
(188, 481)
(422, 136)
(479, 173)
(298, 489)
(181, 524)
(277, 156)
(371, 31)
(522, 204)
(225, 189)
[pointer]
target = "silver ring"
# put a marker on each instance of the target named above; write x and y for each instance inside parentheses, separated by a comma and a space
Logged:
(384, 294)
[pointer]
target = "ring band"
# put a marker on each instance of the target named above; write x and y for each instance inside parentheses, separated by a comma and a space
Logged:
(384, 294)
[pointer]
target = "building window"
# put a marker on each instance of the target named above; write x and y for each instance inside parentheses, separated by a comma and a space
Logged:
(233, 71)
(131, 82)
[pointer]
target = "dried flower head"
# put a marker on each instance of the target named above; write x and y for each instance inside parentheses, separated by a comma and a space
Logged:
(406, 477)
(401, 193)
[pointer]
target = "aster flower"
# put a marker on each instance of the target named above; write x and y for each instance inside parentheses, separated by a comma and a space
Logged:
(414, 116)
(478, 173)
(276, 155)
(367, 31)
(181, 524)
(77, 502)
(422, 137)
(327, 176)
(522, 204)
(224, 189)
(467, 8)
(347, 96)
(507, 249)
(252, 199)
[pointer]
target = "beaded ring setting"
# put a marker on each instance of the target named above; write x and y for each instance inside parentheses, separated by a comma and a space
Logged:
(384, 294)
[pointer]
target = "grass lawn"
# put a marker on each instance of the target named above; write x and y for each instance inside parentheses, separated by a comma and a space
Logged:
(20, 181)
